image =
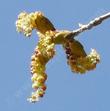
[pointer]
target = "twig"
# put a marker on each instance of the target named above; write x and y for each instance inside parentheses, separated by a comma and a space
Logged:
(90, 25)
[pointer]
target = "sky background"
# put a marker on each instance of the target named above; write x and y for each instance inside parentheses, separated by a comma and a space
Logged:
(66, 91)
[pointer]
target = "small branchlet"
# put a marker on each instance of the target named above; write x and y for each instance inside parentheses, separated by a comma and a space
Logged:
(77, 58)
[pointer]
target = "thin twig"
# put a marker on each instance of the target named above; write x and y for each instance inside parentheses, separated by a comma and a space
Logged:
(90, 25)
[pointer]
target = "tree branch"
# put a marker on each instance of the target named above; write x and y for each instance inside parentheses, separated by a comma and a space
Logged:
(90, 25)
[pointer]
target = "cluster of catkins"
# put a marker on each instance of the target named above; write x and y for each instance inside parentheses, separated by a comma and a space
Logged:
(77, 58)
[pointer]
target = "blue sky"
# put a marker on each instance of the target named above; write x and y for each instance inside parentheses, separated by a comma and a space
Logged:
(66, 91)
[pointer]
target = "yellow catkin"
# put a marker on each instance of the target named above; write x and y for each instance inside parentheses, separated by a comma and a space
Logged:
(77, 58)
(44, 51)
(28, 21)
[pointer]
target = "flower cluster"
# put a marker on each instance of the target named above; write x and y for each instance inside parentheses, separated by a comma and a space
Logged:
(27, 22)
(77, 58)
(44, 51)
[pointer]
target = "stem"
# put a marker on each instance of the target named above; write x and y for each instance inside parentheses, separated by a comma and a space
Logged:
(90, 25)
